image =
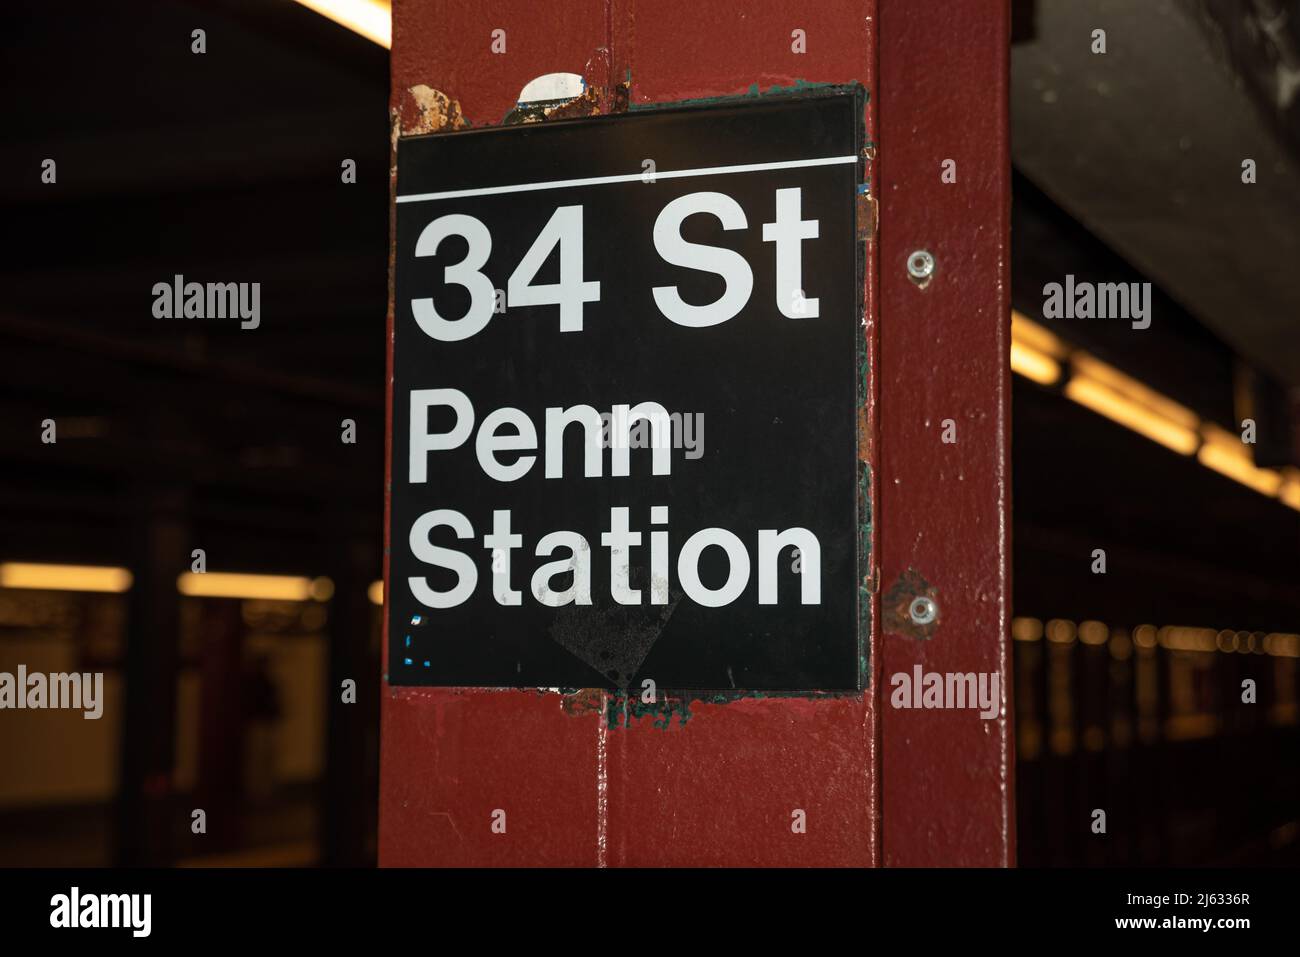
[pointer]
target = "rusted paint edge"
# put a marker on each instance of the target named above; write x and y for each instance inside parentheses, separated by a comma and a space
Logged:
(624, 709)
(425, 110)
(753, 91)
(593, 101)
(897, 603)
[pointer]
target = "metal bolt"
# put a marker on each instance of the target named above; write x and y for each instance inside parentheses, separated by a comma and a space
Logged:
(920, 266)
(923, 610)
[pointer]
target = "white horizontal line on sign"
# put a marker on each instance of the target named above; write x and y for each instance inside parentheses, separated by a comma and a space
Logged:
(626, 178)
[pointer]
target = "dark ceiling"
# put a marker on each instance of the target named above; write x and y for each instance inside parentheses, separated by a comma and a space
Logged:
(1144, 146)
(221, 167)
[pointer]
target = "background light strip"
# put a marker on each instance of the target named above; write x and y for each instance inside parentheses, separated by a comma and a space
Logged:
(1228, 461)
(97, 578)
(373, 19)
(1119, 408)
(1037, 355)
(1032, 364)
(268, 587)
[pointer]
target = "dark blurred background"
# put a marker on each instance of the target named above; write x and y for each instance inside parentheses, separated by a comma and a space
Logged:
(183, 434)
(180, 434)
(1129, 168)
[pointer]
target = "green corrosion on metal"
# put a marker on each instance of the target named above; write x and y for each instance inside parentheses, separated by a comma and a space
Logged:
(799, 86)
(864, 564)
(624, 708)
(865, 517)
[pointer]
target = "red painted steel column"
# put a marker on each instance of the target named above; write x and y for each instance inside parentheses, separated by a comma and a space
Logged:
(718, 784)
(947, 775)
(450, 758)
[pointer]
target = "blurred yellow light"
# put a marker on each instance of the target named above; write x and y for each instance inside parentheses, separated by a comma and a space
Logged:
(64, 577)
(1159, 405)
(1226, 454)
(1032, 364)
(1093, 632)
(269, 587)
(1122, 399)
(1181, 638)
(1061, 631)
(373, 19)
(1142, 419)
(1026, 629)
(376, 592)
(1289, 493)
(1029, 333)
(1282, 645)
(1171, 637)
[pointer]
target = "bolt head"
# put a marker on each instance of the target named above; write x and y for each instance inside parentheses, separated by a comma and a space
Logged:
(920, 265)
(923, 610)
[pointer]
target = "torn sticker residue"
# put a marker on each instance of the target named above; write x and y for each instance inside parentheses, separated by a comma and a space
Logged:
(426, 110)
(552, 88)
(550, 98)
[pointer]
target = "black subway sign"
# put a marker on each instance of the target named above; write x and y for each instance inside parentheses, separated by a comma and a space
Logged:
(626, 376)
